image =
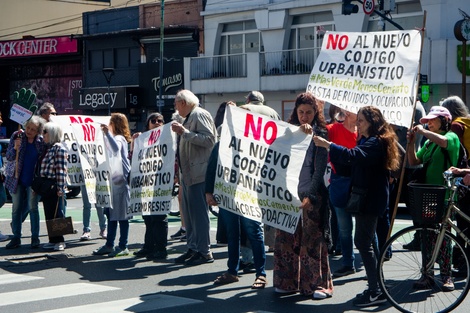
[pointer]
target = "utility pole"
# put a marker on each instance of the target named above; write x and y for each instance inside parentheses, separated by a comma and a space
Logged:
(160, 101)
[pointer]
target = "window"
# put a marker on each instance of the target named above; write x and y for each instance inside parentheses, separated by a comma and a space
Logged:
(305, 41)
(115, 58)
(240, 37)
(236, 39)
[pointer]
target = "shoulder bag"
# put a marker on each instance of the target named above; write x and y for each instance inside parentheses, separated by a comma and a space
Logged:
(61, 225)
(357, 200)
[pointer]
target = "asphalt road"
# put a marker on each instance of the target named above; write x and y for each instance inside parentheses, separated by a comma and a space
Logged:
(77, 281)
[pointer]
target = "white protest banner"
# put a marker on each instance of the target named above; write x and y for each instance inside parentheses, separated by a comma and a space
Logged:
(93, 159)
(376, 68)
(258, 168)
(74, 167)
(153, 172)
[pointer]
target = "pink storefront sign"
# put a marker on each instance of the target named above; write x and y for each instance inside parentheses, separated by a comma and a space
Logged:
(37, 47)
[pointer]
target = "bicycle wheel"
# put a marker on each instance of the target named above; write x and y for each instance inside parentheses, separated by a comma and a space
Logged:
(398, 275)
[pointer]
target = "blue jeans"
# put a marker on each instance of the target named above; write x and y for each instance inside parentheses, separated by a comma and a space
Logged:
(254, 233)
(87, 212)
(112, 231)
(345, 228)
(3, 195)
(24, 201)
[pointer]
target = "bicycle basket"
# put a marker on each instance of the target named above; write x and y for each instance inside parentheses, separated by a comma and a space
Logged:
(426, 203)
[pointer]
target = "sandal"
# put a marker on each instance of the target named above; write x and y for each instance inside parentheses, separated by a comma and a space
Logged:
(226, 278)
(260, 282)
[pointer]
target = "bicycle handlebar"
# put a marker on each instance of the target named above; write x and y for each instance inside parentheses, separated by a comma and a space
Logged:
(451, 180)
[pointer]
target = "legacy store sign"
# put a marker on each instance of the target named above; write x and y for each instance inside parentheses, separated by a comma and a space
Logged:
(100, 99)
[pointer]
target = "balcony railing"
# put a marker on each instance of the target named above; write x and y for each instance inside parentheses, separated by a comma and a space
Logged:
(220, 66)
(298, 61)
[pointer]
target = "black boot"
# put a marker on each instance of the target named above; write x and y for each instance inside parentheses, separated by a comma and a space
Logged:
(415, 244)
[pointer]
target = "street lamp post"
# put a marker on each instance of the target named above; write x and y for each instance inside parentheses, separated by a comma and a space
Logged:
(108, 72)
(162, 31)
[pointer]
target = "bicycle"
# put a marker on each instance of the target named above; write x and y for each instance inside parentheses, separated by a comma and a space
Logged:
(398, 275)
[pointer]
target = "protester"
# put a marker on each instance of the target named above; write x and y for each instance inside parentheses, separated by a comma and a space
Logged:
(237, 228)
(196, 138)
(156, 226)
(54, 166)
(345, 135)
(117, 135)
(301, 259)
(460, 125)
(375, 155)
(46, 110)
(29, 146)
(86, 216)
(3, 193)
(440, 151)
(255, 103)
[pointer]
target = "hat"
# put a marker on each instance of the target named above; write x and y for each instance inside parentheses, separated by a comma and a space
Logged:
(255, 97)
(435, 112)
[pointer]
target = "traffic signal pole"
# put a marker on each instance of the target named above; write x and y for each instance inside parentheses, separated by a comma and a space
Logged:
(376, 12)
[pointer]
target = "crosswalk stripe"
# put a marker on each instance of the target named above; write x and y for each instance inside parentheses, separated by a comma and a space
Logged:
(45, 293)
(16, 278)
(142, 304)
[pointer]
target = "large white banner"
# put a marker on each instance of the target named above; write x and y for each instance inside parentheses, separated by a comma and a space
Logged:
(153, 172)
(376, 68)
(94, 163)
(69, 141)
(258, 168)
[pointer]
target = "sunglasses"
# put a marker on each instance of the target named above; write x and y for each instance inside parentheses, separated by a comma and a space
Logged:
(53, 113)
(155, 121)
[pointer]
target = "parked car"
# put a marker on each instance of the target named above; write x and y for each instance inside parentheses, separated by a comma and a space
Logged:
(73, 191)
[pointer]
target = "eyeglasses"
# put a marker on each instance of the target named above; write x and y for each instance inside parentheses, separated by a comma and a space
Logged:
(44, 131)
(53, 113)
(155, 121)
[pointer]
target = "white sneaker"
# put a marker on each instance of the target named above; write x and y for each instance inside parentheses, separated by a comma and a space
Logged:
(85, 236)
(4, 237)
(60, 246)
(48, 246)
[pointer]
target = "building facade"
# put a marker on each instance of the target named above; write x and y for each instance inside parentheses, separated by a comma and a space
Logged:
(271, 46)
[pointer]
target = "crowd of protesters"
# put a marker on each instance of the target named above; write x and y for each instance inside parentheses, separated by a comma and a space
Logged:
(363, 151)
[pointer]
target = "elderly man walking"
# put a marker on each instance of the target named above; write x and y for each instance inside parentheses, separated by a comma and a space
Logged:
(196, 138)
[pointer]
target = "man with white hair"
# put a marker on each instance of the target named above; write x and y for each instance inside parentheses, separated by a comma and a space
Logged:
(196, 136)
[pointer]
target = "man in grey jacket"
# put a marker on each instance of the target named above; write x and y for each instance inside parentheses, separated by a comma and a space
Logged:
(196, 136)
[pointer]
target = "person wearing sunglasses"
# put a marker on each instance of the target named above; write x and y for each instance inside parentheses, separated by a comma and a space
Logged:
(156, 226)
(46, 110)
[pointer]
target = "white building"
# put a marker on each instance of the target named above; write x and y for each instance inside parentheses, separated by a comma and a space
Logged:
(271, 46)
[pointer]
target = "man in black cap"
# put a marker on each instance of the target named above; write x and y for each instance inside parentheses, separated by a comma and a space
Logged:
(255, 103)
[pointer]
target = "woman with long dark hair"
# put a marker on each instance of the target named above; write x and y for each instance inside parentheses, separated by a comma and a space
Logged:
(301, 259)
(371, 161)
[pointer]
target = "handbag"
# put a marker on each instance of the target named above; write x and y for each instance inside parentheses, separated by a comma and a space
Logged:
(357, 200)
(44, 186)
(59, 226)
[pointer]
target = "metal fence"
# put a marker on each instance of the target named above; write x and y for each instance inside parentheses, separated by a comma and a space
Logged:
(298, 61)
(221, 66)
